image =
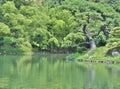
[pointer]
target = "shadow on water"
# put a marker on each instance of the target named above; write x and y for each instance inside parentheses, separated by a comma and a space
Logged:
(50, 71)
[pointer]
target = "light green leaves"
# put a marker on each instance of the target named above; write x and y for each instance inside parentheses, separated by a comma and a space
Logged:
(114, 41)
(4, 29)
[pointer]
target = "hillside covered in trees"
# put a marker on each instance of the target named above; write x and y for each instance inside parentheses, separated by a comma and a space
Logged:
(59, 25)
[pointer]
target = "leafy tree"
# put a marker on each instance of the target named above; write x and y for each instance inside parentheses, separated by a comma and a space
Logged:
(114, 41)
(53, 44)
(9, 7)
(4, 29)
(74, 41)
(61, 23)
(4, 32)
(54, 25)
(40, 38)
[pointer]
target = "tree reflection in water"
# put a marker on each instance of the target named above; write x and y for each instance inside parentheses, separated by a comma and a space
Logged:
(52, 72)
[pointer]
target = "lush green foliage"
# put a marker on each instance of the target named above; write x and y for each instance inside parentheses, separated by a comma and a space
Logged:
(114, 42)
(54, 25)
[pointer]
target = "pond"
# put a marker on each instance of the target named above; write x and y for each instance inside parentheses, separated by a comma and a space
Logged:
(50, 71)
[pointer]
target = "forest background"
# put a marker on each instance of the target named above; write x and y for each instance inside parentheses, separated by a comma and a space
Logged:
(57, 26)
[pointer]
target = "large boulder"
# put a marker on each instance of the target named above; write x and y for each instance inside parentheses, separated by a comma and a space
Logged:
(113, 51)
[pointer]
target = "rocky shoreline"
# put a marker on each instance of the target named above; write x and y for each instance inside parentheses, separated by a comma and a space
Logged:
(98, 61)
(95, 61)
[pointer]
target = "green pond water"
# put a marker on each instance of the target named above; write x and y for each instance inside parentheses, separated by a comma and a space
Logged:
(52, 72)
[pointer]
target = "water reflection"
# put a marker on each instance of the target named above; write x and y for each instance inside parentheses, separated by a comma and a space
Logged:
(52, 72)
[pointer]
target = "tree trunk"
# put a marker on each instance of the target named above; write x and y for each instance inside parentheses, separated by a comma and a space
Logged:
(91, 41)
(104, 29)
(92, 46)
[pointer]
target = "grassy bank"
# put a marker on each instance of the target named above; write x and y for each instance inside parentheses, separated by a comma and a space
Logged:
(98, 54)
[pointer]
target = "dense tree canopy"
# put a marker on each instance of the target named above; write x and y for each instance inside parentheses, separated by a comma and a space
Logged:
(56, 25)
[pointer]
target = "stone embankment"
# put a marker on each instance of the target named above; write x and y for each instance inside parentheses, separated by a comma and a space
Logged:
(98, 61)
